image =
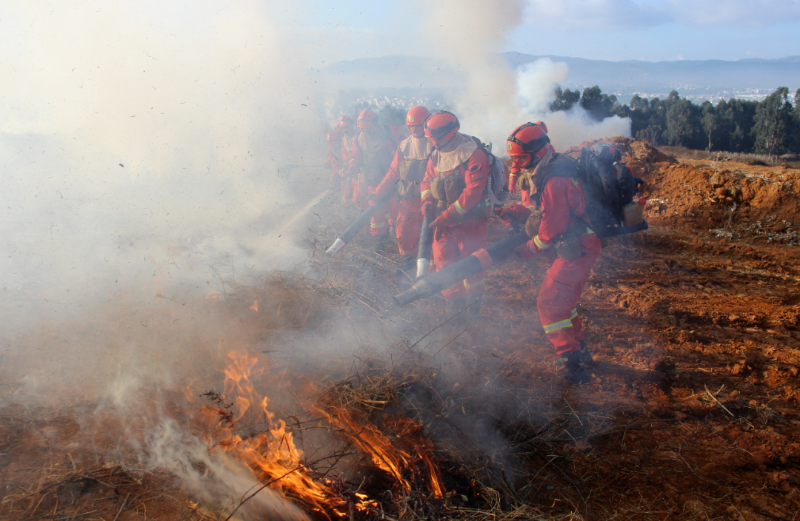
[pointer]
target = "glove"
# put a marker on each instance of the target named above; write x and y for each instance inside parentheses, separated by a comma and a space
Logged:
(372, 198)
(524, 250)
(512, 184)
(515, 212)
(445, 220)
(427, 209)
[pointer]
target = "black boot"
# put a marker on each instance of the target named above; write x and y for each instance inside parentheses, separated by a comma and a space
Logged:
(586, 356)
(574, 369)
(381, 241)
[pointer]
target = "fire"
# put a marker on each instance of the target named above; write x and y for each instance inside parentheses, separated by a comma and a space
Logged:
(275, 460)
(386, 453)
(254, 307)
(271, 454)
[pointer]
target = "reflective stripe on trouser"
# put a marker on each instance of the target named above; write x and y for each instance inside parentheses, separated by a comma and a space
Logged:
(407, 225)
(450, 245)
(560, 291)
(383, 218)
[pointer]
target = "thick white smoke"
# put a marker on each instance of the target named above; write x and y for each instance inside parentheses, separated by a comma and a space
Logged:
(141, 142)
(537, 83)
(223, 481)
(469, 34)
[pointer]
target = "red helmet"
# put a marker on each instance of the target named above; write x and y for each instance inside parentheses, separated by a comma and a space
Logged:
(528, 143)
(441, 127)
(417, 115)
(415, 119)
(367, 119)
(345, 121)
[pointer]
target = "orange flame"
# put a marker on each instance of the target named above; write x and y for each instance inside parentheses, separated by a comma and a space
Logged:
(254, 307)
(385, 453)
(274, 459)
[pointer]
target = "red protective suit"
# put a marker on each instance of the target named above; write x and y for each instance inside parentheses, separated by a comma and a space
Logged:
(411, 153)
(561, 200)
(370, 157)
(348, 187)
(456, 238)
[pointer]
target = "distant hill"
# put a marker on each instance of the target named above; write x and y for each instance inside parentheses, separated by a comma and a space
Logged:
(695, 79)
(401, 72)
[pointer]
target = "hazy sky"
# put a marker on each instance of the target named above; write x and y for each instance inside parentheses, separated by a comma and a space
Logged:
(652, 30)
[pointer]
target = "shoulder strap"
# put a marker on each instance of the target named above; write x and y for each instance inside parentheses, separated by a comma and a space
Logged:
(567, 169)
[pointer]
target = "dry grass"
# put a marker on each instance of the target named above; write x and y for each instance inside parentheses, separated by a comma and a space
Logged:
(790, 160)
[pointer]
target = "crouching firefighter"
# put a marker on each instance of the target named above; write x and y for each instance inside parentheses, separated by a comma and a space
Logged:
(557, 223)
(454, 191)
(371, 156)
(406, 173)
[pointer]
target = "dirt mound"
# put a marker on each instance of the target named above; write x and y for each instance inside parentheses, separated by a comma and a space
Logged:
(731, 199)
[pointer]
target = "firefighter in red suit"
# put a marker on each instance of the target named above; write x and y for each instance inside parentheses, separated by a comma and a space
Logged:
(514, 178)
(454, 190)
(557, 206)
(406, 173)
(370, 158)
(340, 149)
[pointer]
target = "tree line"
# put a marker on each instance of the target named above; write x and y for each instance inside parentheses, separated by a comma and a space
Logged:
(771, 126)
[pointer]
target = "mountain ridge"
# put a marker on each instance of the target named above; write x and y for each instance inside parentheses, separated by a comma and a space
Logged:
(696, 79)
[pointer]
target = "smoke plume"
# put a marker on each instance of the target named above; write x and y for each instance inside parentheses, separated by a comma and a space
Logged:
(469, 34)
(143, 142)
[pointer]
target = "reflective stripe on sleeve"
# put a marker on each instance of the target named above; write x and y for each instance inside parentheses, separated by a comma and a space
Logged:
(539, 244)
(458, 208)
(425, 192)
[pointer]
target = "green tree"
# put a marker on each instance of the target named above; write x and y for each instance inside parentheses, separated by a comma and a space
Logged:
(597, 104)
(683, 123)
(736, 123)
(796, 114)
(652, 134)
(565, 99)
(709, 121)
(773, 122)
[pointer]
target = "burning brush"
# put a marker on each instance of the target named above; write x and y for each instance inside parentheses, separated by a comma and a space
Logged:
(387, 467)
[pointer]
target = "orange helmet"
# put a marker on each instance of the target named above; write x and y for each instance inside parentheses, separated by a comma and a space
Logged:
(345, 121)
(528, 143)
(367, 119)
(415, 119)
(441, 127)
